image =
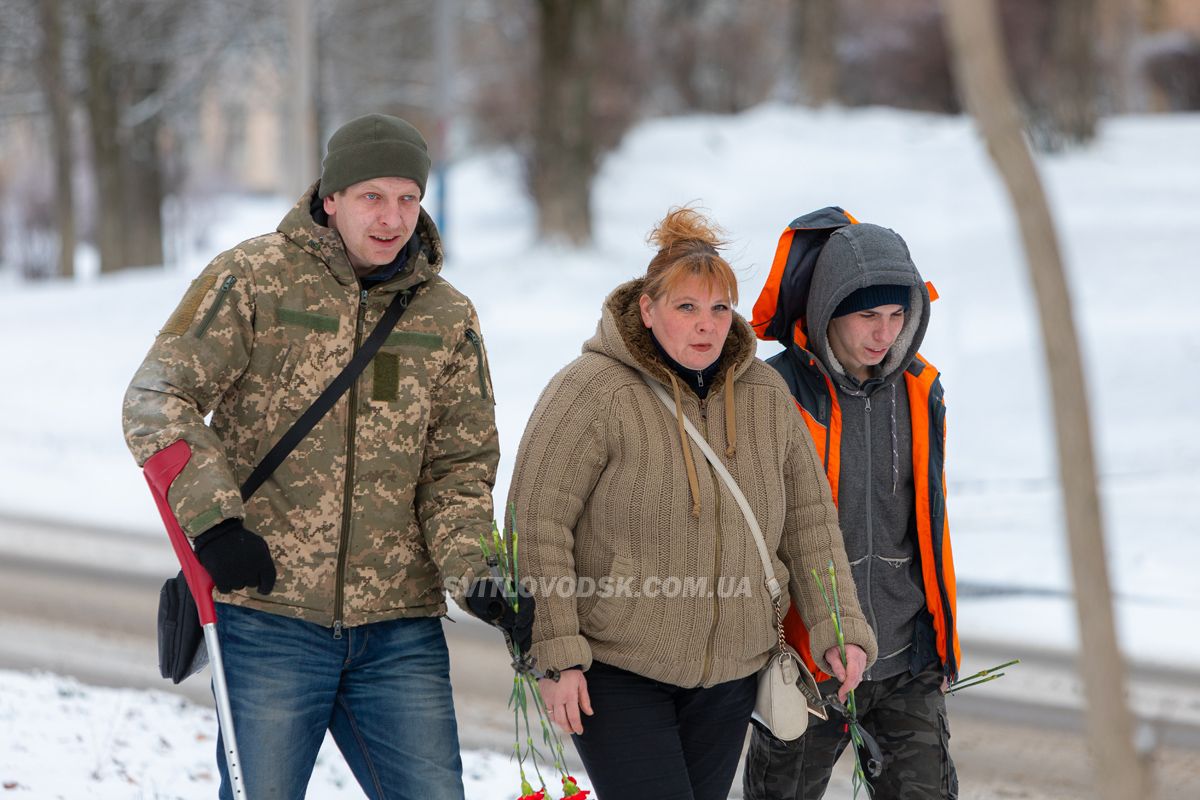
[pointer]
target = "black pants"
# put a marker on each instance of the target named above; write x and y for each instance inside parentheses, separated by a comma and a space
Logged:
(656, 741)
(907, 716)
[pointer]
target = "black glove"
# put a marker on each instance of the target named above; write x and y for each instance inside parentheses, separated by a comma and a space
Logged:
(486, 599)
(235, 557)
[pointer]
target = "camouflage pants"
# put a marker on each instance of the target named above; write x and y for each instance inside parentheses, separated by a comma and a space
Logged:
(907, 716)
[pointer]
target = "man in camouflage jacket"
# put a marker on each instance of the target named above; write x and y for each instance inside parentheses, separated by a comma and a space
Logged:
(350, 544)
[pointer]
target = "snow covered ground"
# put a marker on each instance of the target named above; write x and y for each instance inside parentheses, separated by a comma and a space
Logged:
(1128, 210)
(69, 741)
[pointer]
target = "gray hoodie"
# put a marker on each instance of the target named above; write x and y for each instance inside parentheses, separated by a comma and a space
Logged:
(875, 490)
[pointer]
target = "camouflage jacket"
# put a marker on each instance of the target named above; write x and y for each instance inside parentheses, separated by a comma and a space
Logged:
(390, 492)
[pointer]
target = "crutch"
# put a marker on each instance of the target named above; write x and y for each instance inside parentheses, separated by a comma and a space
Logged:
(161, 470)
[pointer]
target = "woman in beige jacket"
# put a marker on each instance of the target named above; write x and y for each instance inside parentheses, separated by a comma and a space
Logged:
(652, 614)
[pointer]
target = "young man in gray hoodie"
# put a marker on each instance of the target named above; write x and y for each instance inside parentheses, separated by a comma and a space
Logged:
(875, 409)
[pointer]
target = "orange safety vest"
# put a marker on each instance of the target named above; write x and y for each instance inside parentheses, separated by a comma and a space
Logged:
(816, 398)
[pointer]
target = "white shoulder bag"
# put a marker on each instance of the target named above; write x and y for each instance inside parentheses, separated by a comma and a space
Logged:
(787, 691)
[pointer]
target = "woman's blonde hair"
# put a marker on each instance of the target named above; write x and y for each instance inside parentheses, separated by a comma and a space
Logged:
(688, 244)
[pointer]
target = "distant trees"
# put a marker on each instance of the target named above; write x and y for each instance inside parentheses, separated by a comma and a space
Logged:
(105, 134)
(1053, 50)
(565, 145)
(142, 62)
(718, 56)
(558, 81)
(125, 74)
(27, 171)
(111, 110)
(815, 35)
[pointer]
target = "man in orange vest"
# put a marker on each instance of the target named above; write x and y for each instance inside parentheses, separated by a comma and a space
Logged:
(875, 409)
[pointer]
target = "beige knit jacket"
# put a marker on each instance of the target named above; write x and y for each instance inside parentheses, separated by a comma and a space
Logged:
(637, 554)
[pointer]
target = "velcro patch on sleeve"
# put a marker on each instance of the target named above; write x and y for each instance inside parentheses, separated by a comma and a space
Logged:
(185, 313)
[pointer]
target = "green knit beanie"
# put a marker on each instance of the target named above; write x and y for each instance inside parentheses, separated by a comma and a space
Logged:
(374, 146)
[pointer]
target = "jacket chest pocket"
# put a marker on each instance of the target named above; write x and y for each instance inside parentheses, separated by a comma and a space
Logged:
(310, 347)
(294, 384)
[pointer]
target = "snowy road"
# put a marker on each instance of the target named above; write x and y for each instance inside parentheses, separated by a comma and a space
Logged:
(82, 602)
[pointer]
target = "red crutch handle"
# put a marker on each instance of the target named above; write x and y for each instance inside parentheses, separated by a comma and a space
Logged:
(161, 470)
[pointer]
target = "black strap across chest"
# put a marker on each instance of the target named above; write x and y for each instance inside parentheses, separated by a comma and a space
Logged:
(336, 388)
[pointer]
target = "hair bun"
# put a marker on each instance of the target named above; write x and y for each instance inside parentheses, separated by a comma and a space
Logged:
(685, 224)
(687, 243)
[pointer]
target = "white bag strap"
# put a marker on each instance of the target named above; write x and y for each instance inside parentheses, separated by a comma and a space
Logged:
(730, 483)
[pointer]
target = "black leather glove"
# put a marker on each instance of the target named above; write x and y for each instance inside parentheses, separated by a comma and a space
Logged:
(486, 599)
(236, 557)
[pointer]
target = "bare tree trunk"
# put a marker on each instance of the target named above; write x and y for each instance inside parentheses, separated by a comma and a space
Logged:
(106, 151)
(446, 34)
(815, 30)
(143, 199)
(679, 43)
(1073, 70)
(1120, 25)
(58, 100)
(304, 149)
(972, 30)
(565, 147)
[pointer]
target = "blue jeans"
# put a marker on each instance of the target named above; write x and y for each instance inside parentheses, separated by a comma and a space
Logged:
(383, 690)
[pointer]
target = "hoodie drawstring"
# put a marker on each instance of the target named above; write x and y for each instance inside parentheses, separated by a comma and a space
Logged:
(693, 481)
(730, 417)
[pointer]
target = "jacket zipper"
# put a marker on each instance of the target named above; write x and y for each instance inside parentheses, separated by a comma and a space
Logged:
(474, 339)
(226, 285)
(821, 411)
(712, 633)
(348, 490)
(828, 432)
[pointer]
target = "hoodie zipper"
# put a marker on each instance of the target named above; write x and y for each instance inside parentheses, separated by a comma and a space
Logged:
(226, 285)
(348, 489)
(870, 533)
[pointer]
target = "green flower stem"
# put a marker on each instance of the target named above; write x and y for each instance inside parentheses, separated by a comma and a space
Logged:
(533, 751)
(983, 676)
(560, 759)
(954, 688)
(501, 554)
(516, 577)
(985, 672)
(834, 607)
